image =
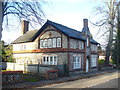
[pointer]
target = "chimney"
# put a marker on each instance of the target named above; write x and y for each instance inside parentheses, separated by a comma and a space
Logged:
(85, 29)
(85, 22)
(25, 25)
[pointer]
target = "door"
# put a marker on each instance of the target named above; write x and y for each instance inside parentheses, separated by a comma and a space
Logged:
(87, 65)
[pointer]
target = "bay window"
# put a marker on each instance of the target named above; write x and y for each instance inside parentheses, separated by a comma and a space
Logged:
(49, 60)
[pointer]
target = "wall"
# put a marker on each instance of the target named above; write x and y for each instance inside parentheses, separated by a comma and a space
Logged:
(71, 60)
(28, 45)
(13, 66)
(74, 43)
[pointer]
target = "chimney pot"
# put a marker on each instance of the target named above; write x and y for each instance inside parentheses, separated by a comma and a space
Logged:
(85, 22)
(25, 25)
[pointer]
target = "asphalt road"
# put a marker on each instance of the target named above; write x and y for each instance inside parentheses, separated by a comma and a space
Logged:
(109, 84)
(95, 82)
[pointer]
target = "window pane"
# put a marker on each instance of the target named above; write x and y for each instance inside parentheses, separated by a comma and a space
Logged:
(87, 42)
(54, 42)
(45, 43)
(51, 60)
(41, 43)
(43, 60)
(49, 43)
(58, 42)
(55, 60)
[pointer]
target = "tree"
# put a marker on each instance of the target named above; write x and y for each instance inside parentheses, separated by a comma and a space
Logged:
(116, 46)
(108, 20)
(21, 9)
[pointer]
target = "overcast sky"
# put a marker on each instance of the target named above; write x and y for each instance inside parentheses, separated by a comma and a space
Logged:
(67, 12)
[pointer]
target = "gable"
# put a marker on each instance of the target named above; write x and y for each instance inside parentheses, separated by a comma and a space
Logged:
(49, 25)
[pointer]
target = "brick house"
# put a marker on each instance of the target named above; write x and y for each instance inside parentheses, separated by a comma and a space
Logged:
(56, 44)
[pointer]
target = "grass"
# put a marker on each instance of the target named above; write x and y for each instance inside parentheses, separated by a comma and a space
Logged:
(32, 78)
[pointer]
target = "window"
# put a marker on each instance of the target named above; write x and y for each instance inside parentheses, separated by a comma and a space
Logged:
(76, 62)
(44, 60)
(54, 42)
(24, 47)
(21, 47)
(93, 61)
(41, 43)
(49, 60)
(49, 43)
(81, 45)
(58, 42)
(55, 60)
(87, 42)
(45, 43)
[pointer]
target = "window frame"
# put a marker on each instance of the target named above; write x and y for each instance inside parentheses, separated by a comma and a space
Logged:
(58, 42)
(41, 43)
(77, 62)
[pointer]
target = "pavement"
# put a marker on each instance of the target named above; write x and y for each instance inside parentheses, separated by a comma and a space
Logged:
(41, 83)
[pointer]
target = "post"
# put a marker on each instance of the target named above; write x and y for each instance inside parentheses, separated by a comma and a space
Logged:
(38, 66)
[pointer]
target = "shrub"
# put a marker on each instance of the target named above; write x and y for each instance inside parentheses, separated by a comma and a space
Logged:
(101, 61)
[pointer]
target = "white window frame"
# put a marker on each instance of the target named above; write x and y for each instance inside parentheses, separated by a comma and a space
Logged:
(82, 44)
(41, 43)
(54, 42)
(45, 43)
(77, 61)
(87, 42)
(49, 43)
(93, 61)
(48, 60)
(58, 42)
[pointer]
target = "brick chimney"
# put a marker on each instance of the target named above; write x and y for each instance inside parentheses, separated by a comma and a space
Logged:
(25, 25)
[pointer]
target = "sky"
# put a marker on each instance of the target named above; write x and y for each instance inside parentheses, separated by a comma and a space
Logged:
(66, 12)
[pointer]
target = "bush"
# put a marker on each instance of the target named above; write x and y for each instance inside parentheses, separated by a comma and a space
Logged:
(101, 61)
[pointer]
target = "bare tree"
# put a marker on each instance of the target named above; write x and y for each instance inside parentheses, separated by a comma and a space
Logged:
(108, 13)
(22, 9)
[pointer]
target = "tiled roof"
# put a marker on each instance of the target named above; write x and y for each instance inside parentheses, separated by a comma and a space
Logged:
(27, 37)
(32, 35)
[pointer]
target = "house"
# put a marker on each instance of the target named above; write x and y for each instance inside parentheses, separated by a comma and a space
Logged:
(56, 44)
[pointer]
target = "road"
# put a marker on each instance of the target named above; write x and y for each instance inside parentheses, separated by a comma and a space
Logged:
(109, 84)
(94, 82)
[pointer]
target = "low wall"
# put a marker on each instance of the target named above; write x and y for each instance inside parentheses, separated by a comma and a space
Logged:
(13, 66)
(33, 68)
(9, 77)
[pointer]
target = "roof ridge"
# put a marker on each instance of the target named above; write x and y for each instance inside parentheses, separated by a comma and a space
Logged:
(63, 26)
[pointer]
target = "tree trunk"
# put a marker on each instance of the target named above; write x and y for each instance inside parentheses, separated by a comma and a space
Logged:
(1, 18)
(110, 41)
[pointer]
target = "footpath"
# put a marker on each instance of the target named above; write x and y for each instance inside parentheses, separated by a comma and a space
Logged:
(41, 83)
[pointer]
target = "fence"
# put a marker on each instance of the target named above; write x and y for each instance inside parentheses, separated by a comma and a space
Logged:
(33, 68)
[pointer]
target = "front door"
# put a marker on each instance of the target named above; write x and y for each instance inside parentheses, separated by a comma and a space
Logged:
(87, 65)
